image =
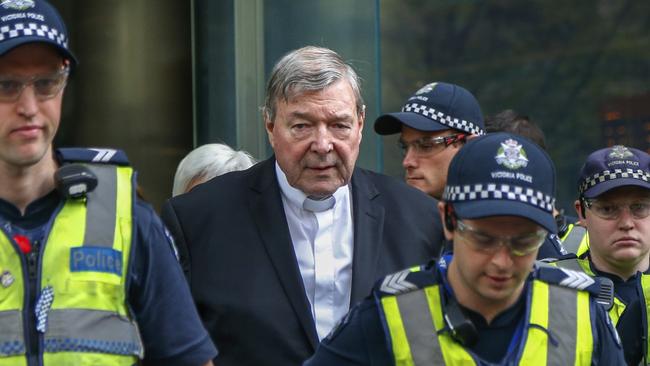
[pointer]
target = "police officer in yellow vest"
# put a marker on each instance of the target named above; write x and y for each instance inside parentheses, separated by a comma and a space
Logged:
(487, 304)
(87, 275)
(614, 205)
(575, 238)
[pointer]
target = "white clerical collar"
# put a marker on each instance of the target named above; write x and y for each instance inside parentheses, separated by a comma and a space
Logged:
(295, 196)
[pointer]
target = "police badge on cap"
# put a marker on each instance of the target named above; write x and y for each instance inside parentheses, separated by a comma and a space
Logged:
(17, 4)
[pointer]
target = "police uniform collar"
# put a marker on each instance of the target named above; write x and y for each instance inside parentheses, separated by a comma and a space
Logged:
(36, 214)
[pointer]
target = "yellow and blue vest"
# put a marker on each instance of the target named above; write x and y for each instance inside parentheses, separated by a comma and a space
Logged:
(82, 312)
(575, 239)
(413, 317)
(582, 264)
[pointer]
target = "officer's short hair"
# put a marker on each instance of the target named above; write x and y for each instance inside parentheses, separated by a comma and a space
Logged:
(510, 121)
(209, 161)
(308, 69)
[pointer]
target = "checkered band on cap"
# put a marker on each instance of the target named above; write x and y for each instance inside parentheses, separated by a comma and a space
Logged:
(12, 348)
(607, 175)
(445, 119)
(491, 191)
(33, 30)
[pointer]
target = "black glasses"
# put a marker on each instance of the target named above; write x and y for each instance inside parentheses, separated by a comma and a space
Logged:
(430, 145)
(612, 210)
(45, 86)
(518, 246)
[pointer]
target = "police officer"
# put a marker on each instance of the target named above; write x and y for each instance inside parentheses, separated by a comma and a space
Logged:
(87, 276)
(614, 205)
(433, 124)
(486, 304)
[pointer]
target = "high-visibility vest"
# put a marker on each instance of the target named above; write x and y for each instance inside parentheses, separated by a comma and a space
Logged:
(617, 310)
(575, 240)
(83, 316)
(414, 317)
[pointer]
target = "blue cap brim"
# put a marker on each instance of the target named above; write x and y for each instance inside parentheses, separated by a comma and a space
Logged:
(391, 123)
(603, 187)
(487, 208)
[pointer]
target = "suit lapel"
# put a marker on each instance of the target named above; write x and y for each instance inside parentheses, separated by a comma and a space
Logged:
(368, 216)
(268, 214)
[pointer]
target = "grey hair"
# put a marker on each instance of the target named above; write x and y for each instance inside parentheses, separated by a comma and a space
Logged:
(308, 69)
(206, 162)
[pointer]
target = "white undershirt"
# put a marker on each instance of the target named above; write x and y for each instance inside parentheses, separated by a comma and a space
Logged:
(323, 243)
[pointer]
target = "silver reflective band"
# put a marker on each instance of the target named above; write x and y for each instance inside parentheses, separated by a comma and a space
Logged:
(419, 328)
(12, 342)
(572, 241)
(80, 330)
(101, 208)
(562, 325)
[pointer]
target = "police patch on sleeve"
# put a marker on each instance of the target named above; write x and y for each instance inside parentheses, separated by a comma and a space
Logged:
(172, 244)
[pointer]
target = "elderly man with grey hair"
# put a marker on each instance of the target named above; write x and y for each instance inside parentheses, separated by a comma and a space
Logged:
(206, 162)
(278, 253)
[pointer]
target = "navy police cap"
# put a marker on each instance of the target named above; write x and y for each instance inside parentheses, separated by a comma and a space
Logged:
(614, 167)
(435, 107)
(502, 174)
(29, 21)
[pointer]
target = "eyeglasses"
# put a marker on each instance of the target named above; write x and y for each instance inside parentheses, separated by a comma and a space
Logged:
(429, 145)
(45, 86)
(612, 210)
(518, 246)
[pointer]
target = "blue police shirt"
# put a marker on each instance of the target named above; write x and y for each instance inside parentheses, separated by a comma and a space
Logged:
(158, 295)
(360, 339)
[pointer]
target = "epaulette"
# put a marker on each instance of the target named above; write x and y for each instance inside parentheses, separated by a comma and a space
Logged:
(408, 280)
(601, 288)
(92, 155)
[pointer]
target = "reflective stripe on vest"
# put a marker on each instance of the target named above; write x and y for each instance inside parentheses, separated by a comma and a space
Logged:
(553, 335)
(85, 261)
(619, 307)
(582, 265)
(575, 240)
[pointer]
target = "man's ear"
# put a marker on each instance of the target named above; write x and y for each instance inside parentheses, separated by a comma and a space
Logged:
(580, 211)
(268, 125)
(449, 234)
(362, 119)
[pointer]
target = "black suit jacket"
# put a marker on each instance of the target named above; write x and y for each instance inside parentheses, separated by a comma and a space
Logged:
(236, 249)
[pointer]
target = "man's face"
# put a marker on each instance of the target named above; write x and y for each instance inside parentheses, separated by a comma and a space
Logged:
(481, 279)
(427, 171)
(621, 243)
(316, 137)
(28, 125)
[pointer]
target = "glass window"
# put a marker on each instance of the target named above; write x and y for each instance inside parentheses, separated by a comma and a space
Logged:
(579, 69)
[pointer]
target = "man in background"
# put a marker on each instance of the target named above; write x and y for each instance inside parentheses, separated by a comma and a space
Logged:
(433, 125)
